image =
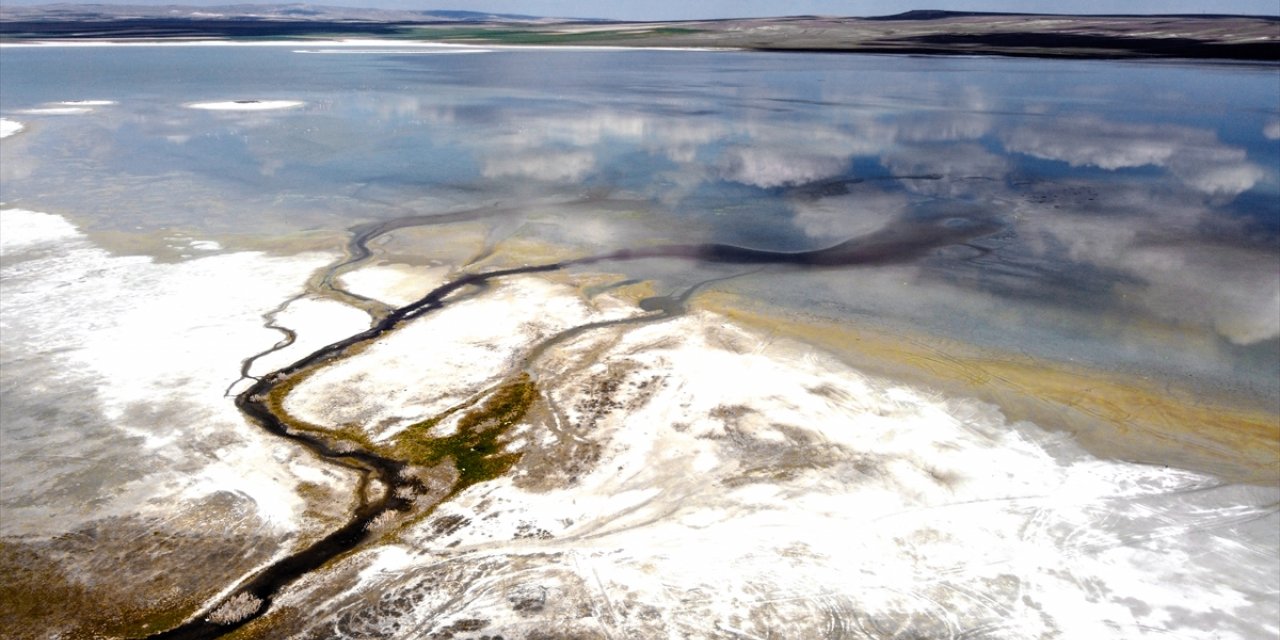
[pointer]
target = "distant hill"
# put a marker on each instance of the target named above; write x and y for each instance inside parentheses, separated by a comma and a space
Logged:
(921, 32)
(292, 12)
(132, 22)
(936, 14)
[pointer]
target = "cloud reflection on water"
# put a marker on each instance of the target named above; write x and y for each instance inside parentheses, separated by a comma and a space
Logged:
(1124, 242)
(1194, 156)
(1129, 206)
(1145, 236)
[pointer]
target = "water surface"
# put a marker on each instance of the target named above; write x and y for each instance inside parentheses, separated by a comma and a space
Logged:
(1136, 202)
(1078, 243)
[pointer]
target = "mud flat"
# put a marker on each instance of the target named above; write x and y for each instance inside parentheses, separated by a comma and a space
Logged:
(553, 452)
(698, 355)
(120, 447)
(688, 475)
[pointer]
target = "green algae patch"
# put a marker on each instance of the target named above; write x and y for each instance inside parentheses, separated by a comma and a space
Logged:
(477, 448)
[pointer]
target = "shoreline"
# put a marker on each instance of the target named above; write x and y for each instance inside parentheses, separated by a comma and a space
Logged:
(435, 47)
(1218, 434)
(635, 392)
(517, 416)
(353, 44)
(1052, 36)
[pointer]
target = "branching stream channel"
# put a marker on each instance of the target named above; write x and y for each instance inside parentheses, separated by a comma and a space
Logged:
(476, 452)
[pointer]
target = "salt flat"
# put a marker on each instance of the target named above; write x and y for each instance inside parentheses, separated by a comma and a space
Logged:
(596, 343)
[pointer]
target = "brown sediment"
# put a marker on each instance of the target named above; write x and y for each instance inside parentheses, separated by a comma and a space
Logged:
(453, 244)
(126, 576)
(1111, 416)
(616, 285)
(517, 251)
(38, 598)
(324, 504)
(478, 450)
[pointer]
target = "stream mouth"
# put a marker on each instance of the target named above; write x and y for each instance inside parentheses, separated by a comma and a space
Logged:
(262, 402)
(580, 342)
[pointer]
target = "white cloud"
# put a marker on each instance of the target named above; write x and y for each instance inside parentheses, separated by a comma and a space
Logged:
(965, 118)
(9, 127)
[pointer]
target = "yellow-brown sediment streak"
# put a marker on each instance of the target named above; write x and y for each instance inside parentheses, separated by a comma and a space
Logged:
(1110, 415)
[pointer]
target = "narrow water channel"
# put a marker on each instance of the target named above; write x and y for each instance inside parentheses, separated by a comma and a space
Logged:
(898, 243)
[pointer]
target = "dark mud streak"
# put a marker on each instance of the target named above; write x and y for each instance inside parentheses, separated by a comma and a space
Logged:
(358, 250)
(254, 403)
(905, 242)
(289, 336)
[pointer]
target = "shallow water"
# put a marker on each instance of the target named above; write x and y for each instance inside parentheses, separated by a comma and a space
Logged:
(1090, 246)
(1136, 202)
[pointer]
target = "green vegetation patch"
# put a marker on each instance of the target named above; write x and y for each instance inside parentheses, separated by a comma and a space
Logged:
(476, 449)
(477, 446)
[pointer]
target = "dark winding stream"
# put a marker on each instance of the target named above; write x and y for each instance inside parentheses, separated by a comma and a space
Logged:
(906, 241)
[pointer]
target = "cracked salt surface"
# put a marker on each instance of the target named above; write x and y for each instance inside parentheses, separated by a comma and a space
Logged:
(701, 480)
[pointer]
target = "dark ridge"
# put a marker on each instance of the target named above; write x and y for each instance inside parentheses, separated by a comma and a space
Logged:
(904, 242)
(1068, 42)
(938, 14)
(1226, 55)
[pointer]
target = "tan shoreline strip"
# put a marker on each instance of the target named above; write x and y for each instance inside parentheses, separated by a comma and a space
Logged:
(1110, 415)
